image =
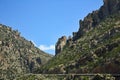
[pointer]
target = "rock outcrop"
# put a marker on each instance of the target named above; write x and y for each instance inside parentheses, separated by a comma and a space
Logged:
(60, 44)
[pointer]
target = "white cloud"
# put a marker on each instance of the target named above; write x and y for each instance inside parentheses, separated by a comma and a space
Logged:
(45, 48)
(33, 43)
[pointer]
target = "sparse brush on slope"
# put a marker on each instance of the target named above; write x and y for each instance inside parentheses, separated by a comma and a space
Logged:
(17, 55)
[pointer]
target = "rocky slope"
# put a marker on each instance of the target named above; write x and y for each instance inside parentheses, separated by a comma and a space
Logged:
(17, 55)
(95, 48)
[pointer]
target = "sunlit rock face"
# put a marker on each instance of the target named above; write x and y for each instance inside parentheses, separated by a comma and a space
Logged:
(60, 44)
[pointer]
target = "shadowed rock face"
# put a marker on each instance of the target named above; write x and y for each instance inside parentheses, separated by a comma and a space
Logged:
(60, 44)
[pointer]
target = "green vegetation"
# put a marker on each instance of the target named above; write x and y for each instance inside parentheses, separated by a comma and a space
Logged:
(94, 44)
(97, 51)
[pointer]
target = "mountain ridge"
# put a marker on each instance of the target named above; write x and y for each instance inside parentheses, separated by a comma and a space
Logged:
(17, 55)
(92, 19)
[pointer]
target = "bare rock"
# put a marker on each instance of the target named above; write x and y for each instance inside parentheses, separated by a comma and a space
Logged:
(60, 44)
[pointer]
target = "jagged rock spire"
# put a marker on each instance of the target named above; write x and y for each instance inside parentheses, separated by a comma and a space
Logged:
(60, 44)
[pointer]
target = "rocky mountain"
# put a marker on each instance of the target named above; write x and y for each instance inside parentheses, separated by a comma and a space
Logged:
(93, 19)
(18, 55)
(95, 48)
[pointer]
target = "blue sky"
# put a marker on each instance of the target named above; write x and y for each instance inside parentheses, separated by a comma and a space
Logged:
(44, 21)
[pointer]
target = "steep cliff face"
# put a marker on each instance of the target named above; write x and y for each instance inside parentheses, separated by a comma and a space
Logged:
(95, 48)
(17, 55)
